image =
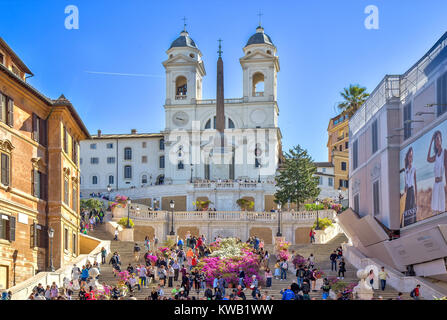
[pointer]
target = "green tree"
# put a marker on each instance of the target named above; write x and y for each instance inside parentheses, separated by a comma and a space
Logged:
(296, 180)
(91, 204)
(354, 97)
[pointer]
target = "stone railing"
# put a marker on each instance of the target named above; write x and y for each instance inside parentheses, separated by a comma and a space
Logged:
(229, 185)
(305, 216)
(396, 279)
(24, 289)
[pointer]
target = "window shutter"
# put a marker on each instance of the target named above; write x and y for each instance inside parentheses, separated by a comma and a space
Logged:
(65, 139)
(36, 184)
(10, 114)
(12, 228)
(5, 169)
(1, 226)
(33, 235)
(43, 132)
(43, 186)
(35, 127)
(2, 105)
(33, 186)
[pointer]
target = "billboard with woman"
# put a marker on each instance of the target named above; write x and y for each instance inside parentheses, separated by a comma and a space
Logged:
(423, 177)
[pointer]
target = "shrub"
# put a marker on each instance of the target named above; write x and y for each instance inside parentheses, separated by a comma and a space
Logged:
(313, 207)
(324, 223)
(123, 222)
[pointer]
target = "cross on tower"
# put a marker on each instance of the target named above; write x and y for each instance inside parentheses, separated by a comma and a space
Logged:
(184, 23)
(260, 15)
(220, 47)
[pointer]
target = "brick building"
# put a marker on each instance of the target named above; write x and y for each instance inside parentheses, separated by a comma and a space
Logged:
(39, 187)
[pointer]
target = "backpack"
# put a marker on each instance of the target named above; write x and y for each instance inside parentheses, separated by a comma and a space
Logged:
(284, 265)
(412, 293)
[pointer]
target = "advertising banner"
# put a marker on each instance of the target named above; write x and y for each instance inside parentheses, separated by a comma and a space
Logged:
(423, 176)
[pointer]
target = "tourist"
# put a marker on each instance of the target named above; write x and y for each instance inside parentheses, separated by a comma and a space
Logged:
(371, 277)
(312, 235)
(147, 243)
(103, 255)
(287, 294)
(136, 252)
(300, 275)
(116, 234)
(399, 296)
(341, 269)
(277, 270)
(268, 277)
(284, 268)
(382, 277)
(240, 293)
(143, 276)
(305, 289)
(241, 277)
(333, 258)
(326, 287)
(266, 259)
(311, 261)
(313, 279)
(415, 293)
(208, 293)
(154, 294)
(221, 284)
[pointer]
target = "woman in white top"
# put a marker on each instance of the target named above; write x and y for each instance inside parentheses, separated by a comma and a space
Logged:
(440, 160)
(409, 215)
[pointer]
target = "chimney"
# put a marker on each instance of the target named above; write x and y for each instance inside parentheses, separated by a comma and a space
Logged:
(99, 133)
(133, 131)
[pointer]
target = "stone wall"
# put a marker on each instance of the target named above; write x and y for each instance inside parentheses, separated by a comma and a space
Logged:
(140, 232)
(302, 235)
(180, 203)
(263, 233)
(181, 231)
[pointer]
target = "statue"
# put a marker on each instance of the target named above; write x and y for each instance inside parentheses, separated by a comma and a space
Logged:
(363, 290)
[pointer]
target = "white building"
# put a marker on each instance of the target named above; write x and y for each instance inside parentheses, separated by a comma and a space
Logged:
(326, 183)
(251, 131)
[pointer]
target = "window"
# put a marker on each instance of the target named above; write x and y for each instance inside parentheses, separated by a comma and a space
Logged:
(330, 182)
(257, 163)
(324, 170)
(356, 203)
(258, 84)
(16, 71)
(374, 134)
(66, 191)
(39, 184)
(39, 236)
(7, 227)
(442, 94)
(127, 172)
(162, 162)
(73, 243)
(5, 169)
(39, 130)
(92, 145)
(320, 181)
(340, 147)
(110, 160)
(80, 161)
(127, 154)
(180, 165)
(110, 146)
(407, 117)
(74, 198)
(162, 144)
(2, 60)
(65, 140)
(355, 159)
(144, 179)
(94, 160)
(7, 110)
(94, 180)
(144, 144)
(230, 124)
(144, 159)
(111, 178)
(343, 166)
(181, 87)
(65, 239)
(376, 203)
(346, 145)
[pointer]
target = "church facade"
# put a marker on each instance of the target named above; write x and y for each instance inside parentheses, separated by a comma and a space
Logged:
(220, 150)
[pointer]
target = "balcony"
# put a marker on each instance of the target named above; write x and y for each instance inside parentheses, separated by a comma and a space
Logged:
(180, 97)
(258, 94)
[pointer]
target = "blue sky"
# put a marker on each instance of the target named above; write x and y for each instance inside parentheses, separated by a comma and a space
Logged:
(323, 46)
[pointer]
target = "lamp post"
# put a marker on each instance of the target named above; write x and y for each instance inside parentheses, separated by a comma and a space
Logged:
(172, 205)
(191, 172)
(317, 203)
(51, 236)
(109, 188)
(128, 213)
(279, 234)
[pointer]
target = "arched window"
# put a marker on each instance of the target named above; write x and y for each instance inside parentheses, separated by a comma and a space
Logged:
(160, 179)
(228, 123)
(180, 88)
(94, 180)
(162, 162)
(127, 153)
(258, 84)
(144, 179)
(162, 144)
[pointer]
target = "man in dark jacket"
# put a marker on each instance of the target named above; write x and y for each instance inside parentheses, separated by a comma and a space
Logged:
(209, 293)
(300, 275)
(333, 258)
(241, 277)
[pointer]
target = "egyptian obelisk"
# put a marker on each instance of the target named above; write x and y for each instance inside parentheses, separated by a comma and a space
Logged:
(220, 108)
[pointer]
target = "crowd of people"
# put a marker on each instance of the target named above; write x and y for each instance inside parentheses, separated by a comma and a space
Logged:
(90, 219)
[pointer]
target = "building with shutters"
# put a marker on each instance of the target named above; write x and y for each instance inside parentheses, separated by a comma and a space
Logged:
(338, 150)
(39, 185)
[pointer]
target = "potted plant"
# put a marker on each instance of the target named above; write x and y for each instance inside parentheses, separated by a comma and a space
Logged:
(245, 204)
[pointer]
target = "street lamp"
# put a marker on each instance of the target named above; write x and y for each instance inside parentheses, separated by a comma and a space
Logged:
(51, 236)
(128, 213)
(317, 203)
(278, 234)
(172, 205)
(109, 188)
(191, 173)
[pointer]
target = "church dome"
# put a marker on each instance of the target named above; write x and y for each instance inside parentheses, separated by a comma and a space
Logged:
(183, 41)
(260, 38)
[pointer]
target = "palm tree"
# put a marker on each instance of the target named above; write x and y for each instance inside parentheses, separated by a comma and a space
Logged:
(354, 97)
